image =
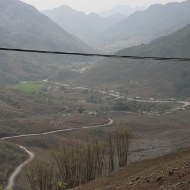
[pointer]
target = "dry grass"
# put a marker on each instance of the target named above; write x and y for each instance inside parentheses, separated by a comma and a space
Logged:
(167, 172)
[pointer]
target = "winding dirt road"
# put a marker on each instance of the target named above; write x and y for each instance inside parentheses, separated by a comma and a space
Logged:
(16, 172)
(116, 95)
(11, 181)
(182, 104)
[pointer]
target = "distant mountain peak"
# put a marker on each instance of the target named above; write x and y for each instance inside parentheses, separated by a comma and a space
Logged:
(146, 25)
(23, 26)
(87, 26)
(93, 15)
(65, 7)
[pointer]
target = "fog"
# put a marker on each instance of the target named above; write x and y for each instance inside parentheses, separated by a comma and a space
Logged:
(93, 6)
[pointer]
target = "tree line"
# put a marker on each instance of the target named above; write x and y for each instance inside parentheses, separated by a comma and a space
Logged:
(71, 166)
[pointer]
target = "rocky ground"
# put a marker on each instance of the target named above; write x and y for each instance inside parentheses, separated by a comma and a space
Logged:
(171, 172)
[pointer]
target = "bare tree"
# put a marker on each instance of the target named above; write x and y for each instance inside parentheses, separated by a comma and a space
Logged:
(76, 164)
(41, 176)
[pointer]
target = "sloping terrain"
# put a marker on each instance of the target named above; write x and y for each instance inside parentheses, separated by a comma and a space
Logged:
(168, 172)
(148, 78)
(144, 26)
(121, 9)
(86, 26)
(35, 107)
(10, 157)
(22, 26)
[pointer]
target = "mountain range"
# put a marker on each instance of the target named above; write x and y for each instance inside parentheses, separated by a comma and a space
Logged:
(143, 26)
(124, 10)
(123, 26)
(87, 27)
(147, 77)
(23, 26)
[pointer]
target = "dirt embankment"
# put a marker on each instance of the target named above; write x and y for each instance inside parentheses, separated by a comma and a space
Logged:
(170, 172)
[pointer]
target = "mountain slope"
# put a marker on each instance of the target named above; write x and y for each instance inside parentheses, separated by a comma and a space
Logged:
(166, 172)
(85, 26)
(143, 26)
(148, 78)
(122, 9)
(22, 26)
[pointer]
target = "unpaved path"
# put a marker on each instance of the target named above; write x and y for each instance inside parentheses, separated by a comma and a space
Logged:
(16, 172)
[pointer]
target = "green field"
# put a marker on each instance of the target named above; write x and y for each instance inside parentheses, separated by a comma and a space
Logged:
(29, 87)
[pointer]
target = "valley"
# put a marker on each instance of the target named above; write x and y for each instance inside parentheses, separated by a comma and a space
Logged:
(89, 113)
(86, 122)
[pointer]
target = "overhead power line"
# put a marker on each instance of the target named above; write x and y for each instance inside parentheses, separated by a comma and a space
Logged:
(97, 55)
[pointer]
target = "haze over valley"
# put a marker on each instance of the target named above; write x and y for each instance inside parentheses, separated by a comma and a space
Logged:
(119, 120)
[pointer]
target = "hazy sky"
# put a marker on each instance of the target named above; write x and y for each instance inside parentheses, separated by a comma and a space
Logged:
(92, 5)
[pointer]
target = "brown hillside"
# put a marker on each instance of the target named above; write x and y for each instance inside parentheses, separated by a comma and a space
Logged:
(171, 172)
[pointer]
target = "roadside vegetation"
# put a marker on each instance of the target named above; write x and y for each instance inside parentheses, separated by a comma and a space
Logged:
(87, 154)
(78, 163)
(169, 172)
(52, 109)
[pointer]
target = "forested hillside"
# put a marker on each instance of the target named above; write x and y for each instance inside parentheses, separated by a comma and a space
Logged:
(168, 78)
(144, 26)
(22, 26)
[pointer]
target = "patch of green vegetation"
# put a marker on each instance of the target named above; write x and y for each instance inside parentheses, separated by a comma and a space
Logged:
(29, 87)
(139, 107)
